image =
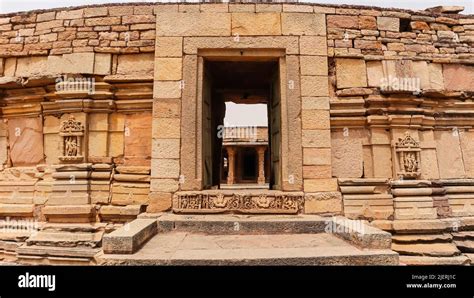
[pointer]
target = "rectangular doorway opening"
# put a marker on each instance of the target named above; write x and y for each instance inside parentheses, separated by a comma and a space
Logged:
(241, 124)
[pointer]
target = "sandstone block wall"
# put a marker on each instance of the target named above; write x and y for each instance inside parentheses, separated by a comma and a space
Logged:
(368, 96)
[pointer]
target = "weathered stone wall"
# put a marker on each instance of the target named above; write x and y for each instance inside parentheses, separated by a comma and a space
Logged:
(345, 117)
(115, 29)
(391, 82)
(113, 178)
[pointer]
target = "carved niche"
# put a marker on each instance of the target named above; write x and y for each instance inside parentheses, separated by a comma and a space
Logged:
(72, 135)
(408, 154)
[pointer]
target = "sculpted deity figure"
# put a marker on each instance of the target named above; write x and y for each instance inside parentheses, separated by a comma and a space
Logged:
(71, 146)
(408, 153)
(411, 164)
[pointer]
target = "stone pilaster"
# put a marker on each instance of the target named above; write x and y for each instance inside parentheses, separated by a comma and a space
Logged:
(166, 123)
(315, 124)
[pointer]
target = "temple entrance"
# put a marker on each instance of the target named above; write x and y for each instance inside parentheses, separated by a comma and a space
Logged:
(241, 124)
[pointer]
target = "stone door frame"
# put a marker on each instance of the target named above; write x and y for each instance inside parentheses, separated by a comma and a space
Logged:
(196, 49)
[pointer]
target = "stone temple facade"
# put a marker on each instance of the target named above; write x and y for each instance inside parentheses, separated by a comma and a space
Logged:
(110, 113)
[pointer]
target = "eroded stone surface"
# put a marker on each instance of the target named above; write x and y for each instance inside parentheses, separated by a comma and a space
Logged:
(25, 135)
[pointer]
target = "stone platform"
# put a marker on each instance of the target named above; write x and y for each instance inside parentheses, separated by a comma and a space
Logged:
(258, 240)
(183, 248)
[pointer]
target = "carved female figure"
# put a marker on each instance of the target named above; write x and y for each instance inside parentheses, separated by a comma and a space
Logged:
(71, 146)
(411, 165)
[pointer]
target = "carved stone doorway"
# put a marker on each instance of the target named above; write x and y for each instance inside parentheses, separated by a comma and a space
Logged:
(243, 162)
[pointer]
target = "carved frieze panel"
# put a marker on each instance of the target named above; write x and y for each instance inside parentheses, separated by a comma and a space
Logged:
(281, 203)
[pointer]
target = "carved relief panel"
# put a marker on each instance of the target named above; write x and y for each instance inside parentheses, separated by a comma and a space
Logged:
(251, 203)
(72, 135)
(408, 155)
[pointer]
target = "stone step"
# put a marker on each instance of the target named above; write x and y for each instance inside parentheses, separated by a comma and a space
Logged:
(74, 227)
(73, 252)
(240, 224)
(427, 249)
(66, 239)
(419, 260)
(184, 248)
(42, 260)
(130, 237)
(422, 238)
(357, 232)
(465, 245)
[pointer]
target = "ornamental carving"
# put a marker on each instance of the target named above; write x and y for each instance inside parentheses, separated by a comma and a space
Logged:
(72, 134)
(237, 203)
(408, 154)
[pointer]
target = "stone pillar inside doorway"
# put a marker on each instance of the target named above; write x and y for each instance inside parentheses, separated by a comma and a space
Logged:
(231, 161)
(261, 164)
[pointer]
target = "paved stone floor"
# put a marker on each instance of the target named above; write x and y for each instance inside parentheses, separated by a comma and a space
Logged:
(183, 248)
